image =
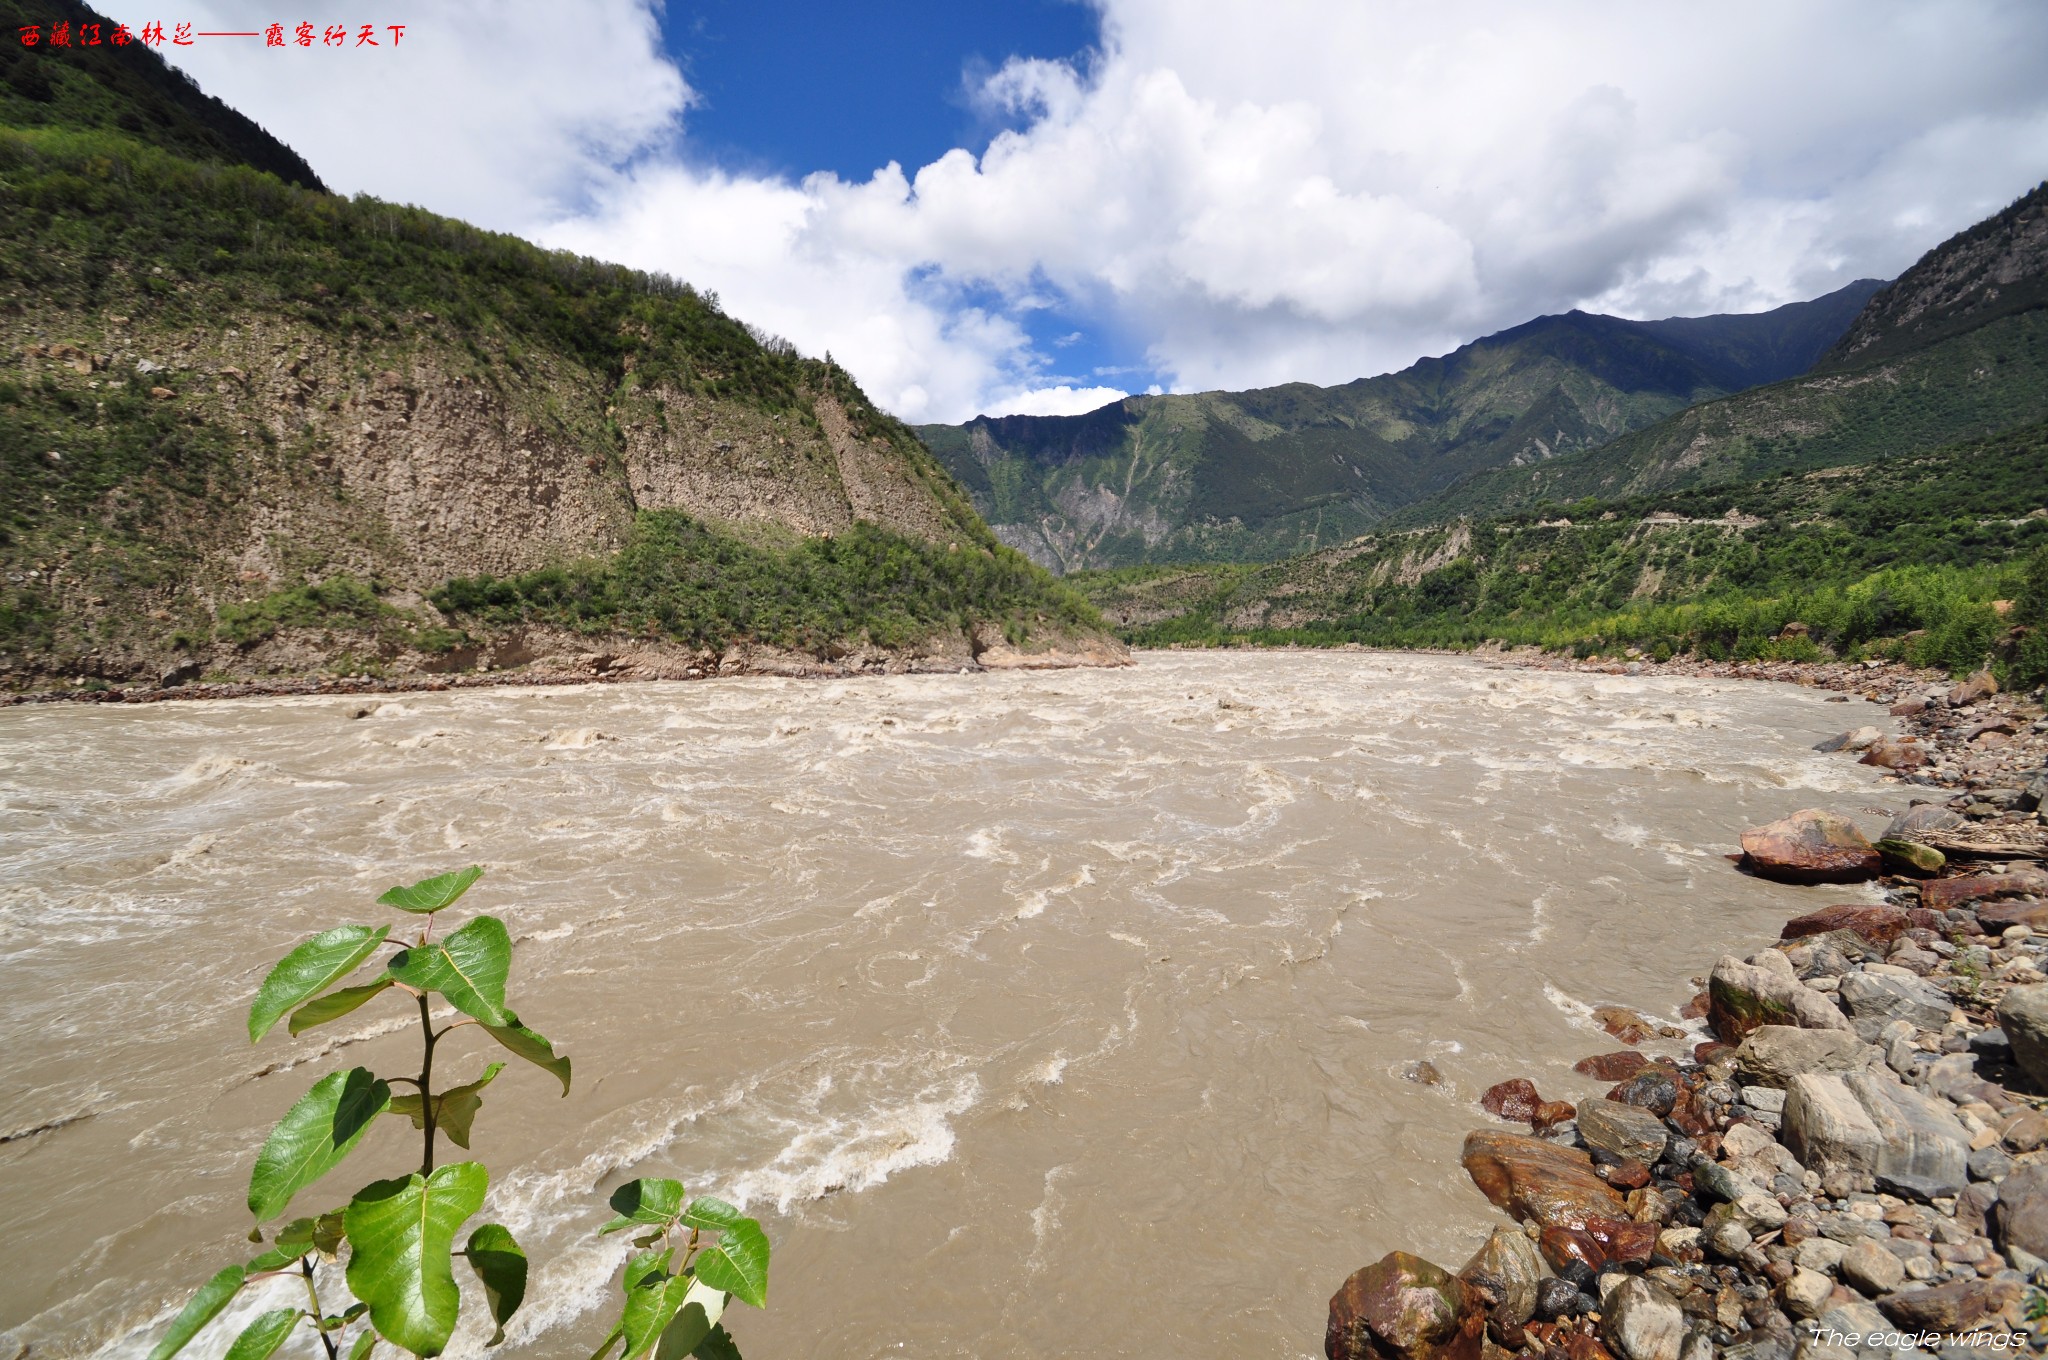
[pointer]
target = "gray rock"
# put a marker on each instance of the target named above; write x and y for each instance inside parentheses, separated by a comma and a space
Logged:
(1993, 1163)
(1511, 1268)
(1729, 1239)
(1640, 1321)
(2023, 1015)
(1774, 1054)
(2021, 1218)
(1623, 1130)
(1806, 1293)
(1876, 999)
(1870, 1330)
(1872, 1269)
(1870, 1122)
(1861, 739)
(1770, 1099)
(1717, 1182)
(1917, 821)
(1743, 996)
(1822, 1254)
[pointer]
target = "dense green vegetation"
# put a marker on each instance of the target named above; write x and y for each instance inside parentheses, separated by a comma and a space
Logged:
(1255, 475)
(126, 88)
(683, 581)
(1901, 558)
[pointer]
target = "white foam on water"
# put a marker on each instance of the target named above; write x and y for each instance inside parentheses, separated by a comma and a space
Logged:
(574, 739)
(839, 1153)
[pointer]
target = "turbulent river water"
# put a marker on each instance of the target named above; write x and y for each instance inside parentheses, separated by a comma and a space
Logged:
(1034, 1014)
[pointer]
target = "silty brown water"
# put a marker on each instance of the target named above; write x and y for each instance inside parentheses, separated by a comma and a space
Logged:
(1032, 1013)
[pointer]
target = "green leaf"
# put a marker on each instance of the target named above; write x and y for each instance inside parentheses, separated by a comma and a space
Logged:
(261, 1338)
(277, 1258)
(401, 1235)
(656, 1299)
(692, 1324)
(313, 1137)
(199, 1310)
(500, 1262)
(469, 967)
(717, 1346)
(653, 1199)
(739, 1263)
(336, 1004)
(309, 970)
(429, 895)
(454, 1109)
(365, 1343)
(533, 1048)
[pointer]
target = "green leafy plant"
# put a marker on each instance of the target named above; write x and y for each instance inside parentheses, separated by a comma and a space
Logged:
(399, 1234)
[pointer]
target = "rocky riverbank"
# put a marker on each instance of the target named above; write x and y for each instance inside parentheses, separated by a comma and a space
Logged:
(1855, 1155)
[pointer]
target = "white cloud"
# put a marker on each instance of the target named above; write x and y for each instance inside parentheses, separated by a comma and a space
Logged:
(1287, 190)
(1058, 400)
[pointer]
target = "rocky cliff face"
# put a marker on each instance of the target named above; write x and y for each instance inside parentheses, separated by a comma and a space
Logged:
(1996, 268)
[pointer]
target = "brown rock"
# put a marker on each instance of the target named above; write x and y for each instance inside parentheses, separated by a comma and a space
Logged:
(1551, 1113)
(1907, 708)
(1403, 1308)
(1624, 1175)
(1515, 1099)
(1978, 687)
(1704, 1053)
(1894, 754)
(1811, 846)
(1874, 922)
(1600, 1242)
(1953, 1307)
(1695, 1009)
(1611, 1066)
(1998, 917)
(1943, 894)
(1539, 1181)
(1624, 1024)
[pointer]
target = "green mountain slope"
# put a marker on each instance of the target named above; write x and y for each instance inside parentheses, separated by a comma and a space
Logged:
(1260, 474)
(123, 88)
(1957, 347)
(250, 428)
(1903, 556)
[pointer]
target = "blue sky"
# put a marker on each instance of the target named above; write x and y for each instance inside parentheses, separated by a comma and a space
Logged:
(1041, 205)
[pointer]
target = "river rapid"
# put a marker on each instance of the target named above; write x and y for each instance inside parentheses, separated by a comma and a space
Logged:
(1033, 1014)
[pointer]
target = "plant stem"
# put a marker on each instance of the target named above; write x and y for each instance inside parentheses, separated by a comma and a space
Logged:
(313, 1297)
(429, 1038)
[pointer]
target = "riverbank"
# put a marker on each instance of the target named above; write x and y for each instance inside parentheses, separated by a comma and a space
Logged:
(1855, 1155)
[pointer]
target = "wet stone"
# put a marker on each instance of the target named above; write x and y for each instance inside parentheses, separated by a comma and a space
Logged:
(1625, 1130)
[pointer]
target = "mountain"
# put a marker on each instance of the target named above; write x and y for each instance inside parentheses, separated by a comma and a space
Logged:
(250, 428)
(123, 88)
(1918, 557)
(1954, 349)
(1259, 474)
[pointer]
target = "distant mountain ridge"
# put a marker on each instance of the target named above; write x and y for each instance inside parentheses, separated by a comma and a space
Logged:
(1259, 474)
(1955, 349)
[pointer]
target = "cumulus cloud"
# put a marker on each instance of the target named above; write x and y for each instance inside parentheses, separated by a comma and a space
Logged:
(1293, 190)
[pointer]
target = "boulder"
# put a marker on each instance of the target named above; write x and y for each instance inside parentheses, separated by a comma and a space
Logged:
(1811, 846)
(1998, 917)
(1774, 1054)
(1806, 1293)
(1640, 1321)
(1624, 1024)
(1944, 894)
(1403, 1308)
(1742, 997)
(1654, 1088)
(1957, 1306)
(1612, 1066)
(1598, 1243)
(1861, 739)
(1895, 754)
(1911, 857)
(2020, 1218)
(2023, 1015)
(1872, 921)
(1875, 999)
(1871, 1268)
(1515, 1100)
(1624, 1130)
(1870, 1122)
(1922, 819)
(1976, 689)
(1538, 1181)
(1507, 1267)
